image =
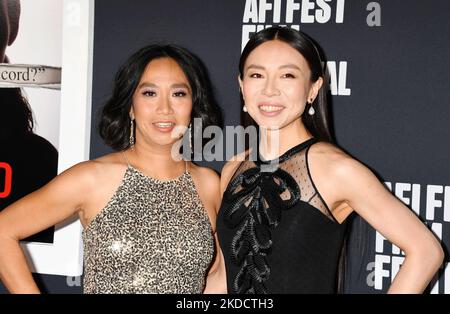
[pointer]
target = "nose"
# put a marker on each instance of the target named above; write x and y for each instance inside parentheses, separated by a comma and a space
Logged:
(164, 105)
(270, 88)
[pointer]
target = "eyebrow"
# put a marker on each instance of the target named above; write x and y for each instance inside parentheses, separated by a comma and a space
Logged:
(290, 66)
(260, 67)
(152, 85)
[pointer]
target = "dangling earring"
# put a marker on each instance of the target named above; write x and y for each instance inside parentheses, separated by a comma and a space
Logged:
(245, 108)
(190, 137)
(311, 110)
(132, 134)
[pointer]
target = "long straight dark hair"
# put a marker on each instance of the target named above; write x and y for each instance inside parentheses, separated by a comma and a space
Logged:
(318, 123)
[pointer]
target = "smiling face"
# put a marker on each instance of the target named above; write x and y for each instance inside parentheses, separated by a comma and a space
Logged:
(162, 102)
(276, 84)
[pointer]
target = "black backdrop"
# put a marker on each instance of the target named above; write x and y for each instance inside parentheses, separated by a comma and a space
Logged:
(390, 111)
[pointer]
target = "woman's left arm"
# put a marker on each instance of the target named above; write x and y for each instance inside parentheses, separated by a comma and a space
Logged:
(389, 216)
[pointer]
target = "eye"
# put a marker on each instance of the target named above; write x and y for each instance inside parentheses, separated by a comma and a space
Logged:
(255, 75)
(149, 93)
(179, 94)
(288, 75)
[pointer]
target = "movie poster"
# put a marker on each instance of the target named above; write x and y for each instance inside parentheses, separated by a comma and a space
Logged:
(44, 118)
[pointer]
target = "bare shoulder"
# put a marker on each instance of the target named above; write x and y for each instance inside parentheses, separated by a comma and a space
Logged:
(100, 178)
(230, 168)
(204, 174)
(343, 172)
(93, 171)
(207, 184)
(94, 178)
(334, 160)
(327, 152)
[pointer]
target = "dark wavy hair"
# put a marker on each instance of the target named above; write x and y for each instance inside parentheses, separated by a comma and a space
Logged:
(115, 121)
(16, 118)
(317, 124)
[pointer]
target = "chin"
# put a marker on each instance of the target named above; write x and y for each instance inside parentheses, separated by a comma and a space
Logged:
(273, 124)
(165, 140)
(269, 127)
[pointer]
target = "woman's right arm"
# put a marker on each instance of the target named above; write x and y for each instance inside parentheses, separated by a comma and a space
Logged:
(51, 204)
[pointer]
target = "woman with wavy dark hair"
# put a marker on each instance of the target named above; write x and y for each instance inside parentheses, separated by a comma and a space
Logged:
(282, 221)
(147, 213)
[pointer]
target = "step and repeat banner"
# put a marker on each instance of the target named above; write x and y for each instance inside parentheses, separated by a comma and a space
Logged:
(390, 96)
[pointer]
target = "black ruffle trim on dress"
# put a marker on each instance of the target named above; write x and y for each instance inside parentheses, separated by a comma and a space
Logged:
(255, 206)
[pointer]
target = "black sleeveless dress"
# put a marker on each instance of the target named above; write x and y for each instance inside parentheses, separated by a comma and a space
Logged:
(276, 233)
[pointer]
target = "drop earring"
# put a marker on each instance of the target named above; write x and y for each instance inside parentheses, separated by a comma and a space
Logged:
(132, 141)
(244, 109)
(311, 110)
(190, 137)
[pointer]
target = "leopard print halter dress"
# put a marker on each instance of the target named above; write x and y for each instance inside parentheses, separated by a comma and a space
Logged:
(153, 236)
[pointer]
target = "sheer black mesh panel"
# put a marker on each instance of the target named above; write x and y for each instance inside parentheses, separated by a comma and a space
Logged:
(297, 167)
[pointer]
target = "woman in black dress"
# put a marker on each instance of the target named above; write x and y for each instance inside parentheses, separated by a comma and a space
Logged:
(283, 217)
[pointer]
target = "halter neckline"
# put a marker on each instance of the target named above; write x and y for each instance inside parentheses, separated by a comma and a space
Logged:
(286, 155)
(130, 166)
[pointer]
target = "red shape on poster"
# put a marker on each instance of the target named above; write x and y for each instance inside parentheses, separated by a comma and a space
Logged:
(8, 179)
